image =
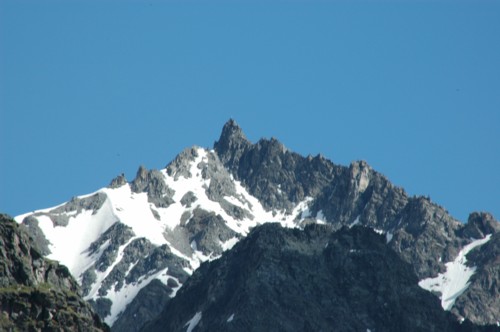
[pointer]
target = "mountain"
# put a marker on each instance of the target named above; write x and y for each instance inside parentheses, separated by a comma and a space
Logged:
(37, 294)
(132, 245)
(279, 279)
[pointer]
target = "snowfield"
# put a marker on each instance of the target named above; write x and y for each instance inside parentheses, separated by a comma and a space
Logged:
(452, 283)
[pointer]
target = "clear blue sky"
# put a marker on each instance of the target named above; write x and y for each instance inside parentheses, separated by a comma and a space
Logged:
(91, 89)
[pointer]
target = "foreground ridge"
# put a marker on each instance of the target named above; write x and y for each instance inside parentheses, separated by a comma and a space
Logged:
(279, 279)
(36, 293)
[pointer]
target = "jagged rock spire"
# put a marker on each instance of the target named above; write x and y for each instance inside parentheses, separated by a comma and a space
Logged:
(119, 181)
(231, 144)
(231, 134)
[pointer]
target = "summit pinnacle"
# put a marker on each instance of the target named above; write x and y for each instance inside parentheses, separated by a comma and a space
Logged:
(231, 144)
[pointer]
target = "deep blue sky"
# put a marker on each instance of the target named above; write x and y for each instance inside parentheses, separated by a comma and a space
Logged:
(92, 89)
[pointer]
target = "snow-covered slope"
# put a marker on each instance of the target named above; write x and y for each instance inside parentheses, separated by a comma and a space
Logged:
(75, 230)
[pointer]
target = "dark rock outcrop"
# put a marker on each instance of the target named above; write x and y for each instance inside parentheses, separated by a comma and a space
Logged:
(37, 294)
(153, 184)
(39, 240)
(117, 182)
(206, 232)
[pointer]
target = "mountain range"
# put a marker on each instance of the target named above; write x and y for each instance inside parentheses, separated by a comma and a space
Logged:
(341, 244)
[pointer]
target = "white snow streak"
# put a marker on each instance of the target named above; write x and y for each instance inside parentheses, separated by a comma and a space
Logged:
(320, 217)
(355, 222)
(100, 276)
(229, 243)
(121, 298)
(452, 283)
(191, 324)
(388, 237)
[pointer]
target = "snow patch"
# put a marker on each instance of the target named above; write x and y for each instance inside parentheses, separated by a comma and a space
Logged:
(320, 217)
(191, 324)
(229, 243)
(355, 222)
(452, 283)
(164, 279)
(305, 214)
(230, 319)
(388, 237)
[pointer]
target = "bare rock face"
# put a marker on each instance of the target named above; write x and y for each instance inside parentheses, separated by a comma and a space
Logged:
(37, 294)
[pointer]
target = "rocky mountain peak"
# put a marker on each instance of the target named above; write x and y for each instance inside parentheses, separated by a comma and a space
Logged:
(231, 131)
(147, 236)
(231, 144)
